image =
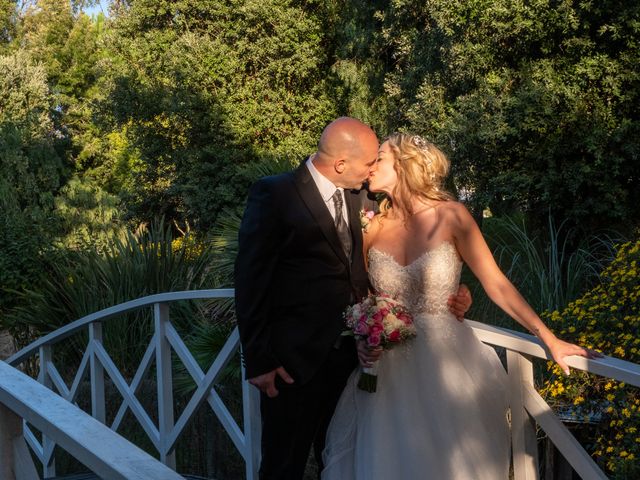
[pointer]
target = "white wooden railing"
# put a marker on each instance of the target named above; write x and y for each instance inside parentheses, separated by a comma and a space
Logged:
(101, 449)
(527, 407)
(96, 362)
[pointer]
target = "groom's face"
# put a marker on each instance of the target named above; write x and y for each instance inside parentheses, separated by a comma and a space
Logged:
(360, 164)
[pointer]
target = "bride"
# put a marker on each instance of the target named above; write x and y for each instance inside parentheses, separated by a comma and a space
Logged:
(439, 411)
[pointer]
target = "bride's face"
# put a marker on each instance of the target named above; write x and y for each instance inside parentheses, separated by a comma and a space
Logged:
(383, 176)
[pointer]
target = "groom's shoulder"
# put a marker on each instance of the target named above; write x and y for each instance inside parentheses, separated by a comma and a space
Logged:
(272, 181)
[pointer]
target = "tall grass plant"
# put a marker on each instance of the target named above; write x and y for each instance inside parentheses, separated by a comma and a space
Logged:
(134, 265)
(549, 269)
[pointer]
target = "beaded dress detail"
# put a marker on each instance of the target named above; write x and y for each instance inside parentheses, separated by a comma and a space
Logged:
(439, 411)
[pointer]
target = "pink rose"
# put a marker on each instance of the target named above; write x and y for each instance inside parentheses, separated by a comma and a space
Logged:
(394, 336)
(361, 328)
(376, 329)
(373, 340)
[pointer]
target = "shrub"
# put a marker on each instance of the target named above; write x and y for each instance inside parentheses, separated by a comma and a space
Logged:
(606, 318)
(133, 266)
(546, 268)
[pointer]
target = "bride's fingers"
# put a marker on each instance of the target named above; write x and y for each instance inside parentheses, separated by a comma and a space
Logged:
(586, 352)
(563, 366)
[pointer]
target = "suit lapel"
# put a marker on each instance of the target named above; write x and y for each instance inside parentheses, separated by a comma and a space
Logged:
(315, 204)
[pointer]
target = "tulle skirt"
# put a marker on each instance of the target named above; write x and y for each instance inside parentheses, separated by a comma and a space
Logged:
(439, 412)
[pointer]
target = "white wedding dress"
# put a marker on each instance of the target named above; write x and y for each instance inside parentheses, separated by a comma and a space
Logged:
(439, 411)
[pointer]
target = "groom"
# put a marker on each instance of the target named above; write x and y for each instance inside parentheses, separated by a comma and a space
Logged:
(300, 263)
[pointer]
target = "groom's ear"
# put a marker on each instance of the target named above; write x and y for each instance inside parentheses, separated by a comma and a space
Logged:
(338, 165)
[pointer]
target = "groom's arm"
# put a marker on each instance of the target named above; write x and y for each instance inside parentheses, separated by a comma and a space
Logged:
(258, 241)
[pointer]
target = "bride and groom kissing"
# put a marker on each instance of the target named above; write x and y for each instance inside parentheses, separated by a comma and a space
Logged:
(440, 407)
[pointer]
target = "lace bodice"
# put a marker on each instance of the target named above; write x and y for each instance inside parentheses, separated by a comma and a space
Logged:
(425, 284)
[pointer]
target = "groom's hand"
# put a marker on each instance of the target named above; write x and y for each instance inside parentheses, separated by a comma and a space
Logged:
(460, 302)
(267, 381)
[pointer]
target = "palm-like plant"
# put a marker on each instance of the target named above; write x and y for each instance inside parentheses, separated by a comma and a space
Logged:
(548, 272)
(133, 266)
(223, 241)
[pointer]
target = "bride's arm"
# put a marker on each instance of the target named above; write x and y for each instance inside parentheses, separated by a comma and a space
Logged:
(475, 252)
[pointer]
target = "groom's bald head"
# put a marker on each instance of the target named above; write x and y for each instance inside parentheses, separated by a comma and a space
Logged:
(345, 136)
(346, 152)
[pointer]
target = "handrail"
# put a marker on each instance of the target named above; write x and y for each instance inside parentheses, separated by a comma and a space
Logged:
(526, 404)
(98, 447)
(97, 364)
(521, 347)
(105, 314)
(523, 343)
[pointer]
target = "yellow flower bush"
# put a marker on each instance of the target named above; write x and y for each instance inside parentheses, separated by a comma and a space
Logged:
(607, 318)
(193, 248)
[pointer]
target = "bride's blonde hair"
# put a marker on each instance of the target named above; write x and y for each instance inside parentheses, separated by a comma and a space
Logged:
(421, 168)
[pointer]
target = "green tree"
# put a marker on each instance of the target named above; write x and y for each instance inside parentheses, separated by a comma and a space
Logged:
(536, 102)
(8, 16)
(68, 45)
(203, 87)
(30, 170)
(45, 28)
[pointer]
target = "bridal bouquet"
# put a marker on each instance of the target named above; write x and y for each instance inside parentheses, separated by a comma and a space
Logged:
(380, 321)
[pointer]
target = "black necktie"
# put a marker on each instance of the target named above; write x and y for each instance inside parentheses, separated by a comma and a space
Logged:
(341, 226)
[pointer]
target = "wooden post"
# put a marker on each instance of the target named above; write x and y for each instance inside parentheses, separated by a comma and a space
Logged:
(98, 410)
(48, 445)
(165, 383)
(523, 430)
(252, 428)
(15, 459)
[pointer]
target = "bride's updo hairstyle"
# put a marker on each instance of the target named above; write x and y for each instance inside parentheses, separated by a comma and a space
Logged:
(421, 168)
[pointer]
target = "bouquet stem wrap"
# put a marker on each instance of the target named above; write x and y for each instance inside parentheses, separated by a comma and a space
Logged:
(380, 321)
(369, 378)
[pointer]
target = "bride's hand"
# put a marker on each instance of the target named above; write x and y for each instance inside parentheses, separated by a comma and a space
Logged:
(366, 355)
(560, 349)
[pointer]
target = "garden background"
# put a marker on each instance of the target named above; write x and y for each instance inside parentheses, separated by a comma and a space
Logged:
(128, 142)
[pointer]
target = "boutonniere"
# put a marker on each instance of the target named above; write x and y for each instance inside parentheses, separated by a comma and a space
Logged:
(365, 218)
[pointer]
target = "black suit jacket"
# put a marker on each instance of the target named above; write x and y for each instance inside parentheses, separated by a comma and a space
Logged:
(292, 278)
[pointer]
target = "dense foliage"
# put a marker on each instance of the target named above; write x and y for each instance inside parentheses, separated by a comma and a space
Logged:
(172, 107)
(135, 265)
(606, 318)
(31, 169)
(203, 88)
(537, 102)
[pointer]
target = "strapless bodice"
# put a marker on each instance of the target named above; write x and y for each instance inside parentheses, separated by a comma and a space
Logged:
(425, 284)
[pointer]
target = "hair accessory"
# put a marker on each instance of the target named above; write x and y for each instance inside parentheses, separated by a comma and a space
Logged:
(419, 142)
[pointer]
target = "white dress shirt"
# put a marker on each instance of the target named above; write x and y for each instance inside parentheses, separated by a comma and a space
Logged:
(327, 189)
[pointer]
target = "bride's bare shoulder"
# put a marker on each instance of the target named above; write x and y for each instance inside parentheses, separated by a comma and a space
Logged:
(453, 207)
(455, 213)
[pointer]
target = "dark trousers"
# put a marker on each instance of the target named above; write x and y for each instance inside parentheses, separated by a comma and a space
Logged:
(299, 416)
